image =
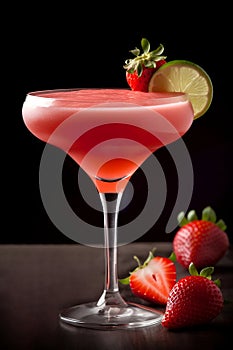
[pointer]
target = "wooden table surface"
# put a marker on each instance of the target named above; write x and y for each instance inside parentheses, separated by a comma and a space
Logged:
(37, 281)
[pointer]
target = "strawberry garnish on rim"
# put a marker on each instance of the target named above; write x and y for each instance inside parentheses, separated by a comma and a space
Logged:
(152, 280)
(194, 300)
(140, 69)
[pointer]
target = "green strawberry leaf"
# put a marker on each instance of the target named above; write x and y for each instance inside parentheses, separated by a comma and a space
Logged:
(192, 216)
(208, 214)
(217, 282)
(207, 272)
(145, 45)
(192, 270)
(150, 256)
(158, 52)
(135, 52)
(182, 219)
(221, 224)
(139, 69)
(124, 280)
(172, 257)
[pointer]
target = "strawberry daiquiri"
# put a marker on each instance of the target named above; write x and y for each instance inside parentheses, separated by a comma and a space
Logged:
(108, 132)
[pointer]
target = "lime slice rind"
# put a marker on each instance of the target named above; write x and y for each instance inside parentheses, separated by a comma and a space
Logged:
(188, 77)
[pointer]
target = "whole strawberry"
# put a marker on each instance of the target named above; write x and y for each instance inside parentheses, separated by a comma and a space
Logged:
(152, 280)
(140, 69)
(202, 242)
(194, 300)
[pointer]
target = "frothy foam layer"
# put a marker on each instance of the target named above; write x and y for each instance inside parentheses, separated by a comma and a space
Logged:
(88, 97)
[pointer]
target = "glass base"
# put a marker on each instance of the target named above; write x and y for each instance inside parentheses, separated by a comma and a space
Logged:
(90, 315)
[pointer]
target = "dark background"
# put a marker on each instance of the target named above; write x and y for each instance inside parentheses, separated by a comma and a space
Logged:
(64, 46)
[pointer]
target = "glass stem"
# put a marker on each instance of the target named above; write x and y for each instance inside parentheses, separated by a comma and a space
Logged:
(111, 296)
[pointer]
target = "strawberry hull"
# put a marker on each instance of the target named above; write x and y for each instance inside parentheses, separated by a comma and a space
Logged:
(140, 69)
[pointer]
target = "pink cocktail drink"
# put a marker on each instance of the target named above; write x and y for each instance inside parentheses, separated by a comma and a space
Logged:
(108, 132)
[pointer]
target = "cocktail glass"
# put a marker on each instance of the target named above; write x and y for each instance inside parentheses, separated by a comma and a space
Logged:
(109, 133)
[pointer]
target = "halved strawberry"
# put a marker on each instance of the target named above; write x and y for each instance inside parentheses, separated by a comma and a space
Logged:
(140, 69)
(153, 279)
(202, 242)
(193, 300)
